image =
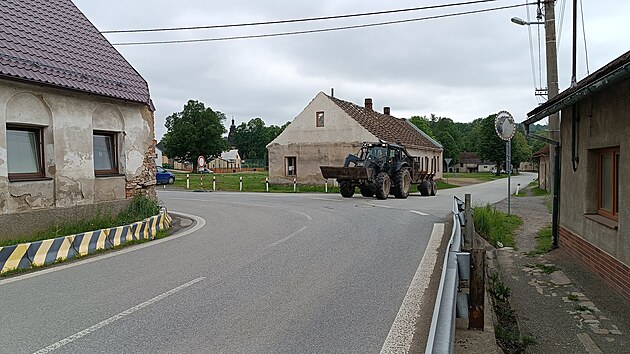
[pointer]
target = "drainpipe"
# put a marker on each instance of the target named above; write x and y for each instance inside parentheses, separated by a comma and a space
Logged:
(555, 216)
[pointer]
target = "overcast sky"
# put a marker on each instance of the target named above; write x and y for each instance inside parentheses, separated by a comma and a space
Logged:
(461, 67)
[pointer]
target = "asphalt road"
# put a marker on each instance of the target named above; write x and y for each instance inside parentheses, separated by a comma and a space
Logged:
(256, 273)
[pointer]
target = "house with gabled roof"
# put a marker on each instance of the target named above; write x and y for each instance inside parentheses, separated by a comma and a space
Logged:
(592, 222)
(328, 129)
(76, 119)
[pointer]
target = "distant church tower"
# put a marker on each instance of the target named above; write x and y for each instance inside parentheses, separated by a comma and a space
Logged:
(231, 133)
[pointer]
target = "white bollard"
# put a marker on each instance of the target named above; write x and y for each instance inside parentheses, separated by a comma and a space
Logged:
(267, 184)
(240, 184)
(326, 186)
(294, 185)
(518, 187)
(187, 181)
(214, 184)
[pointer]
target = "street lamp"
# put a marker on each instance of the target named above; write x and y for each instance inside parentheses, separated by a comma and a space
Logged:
(520, 21)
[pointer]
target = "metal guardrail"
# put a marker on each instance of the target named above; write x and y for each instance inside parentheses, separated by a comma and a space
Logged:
(447, 305)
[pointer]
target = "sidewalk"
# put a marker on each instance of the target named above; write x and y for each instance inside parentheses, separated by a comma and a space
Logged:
(559, 304)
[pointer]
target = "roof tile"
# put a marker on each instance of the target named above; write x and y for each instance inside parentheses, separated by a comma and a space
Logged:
(386, 127)
(52, 42)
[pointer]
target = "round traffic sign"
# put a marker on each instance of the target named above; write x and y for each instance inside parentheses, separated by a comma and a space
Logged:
(201, 161)
(504, 125)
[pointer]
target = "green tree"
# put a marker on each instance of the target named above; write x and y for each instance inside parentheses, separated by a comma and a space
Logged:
(251, 138)
(423, 124)
(195, 131)
(489, 146)
(521, 151)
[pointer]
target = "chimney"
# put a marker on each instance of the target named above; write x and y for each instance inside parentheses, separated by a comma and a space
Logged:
(386, 110)
(368, 104)
(332, 92)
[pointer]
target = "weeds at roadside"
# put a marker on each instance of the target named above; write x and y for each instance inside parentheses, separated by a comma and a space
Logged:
(582, 308)
(496, 227)
(507, 332)
(544, 242)
(572, 297)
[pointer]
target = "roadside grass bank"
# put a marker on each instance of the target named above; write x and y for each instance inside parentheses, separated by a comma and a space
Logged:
(140, 208)
(255, 182)
(482, 176)
(496, 227)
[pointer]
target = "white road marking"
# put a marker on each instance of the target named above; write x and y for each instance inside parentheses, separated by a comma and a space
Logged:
(401, 333)
(254, 204)
(288, 237)
(301, 213)
(328, 199)
(418, 212)
(198, 225)
(380, 206)
(117, 317)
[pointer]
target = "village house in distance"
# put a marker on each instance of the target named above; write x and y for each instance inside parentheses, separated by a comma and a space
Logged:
(329, 129)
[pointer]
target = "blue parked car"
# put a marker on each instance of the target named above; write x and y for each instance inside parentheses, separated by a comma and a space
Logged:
(163, 176)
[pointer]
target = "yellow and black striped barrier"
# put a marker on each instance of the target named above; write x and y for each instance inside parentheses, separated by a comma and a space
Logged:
(39, 253)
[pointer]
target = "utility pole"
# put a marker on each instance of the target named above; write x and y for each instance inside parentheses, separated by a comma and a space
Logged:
(552, 85)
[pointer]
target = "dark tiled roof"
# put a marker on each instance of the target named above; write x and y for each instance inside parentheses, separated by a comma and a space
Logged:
(543, 151)
(51, 42)
(469, 157)
(386, 127)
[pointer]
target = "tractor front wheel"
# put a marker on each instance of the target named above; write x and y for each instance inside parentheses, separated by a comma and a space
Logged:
(424, 188)
(346, 188)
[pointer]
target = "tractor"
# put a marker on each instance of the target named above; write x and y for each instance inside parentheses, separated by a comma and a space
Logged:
(380, 169)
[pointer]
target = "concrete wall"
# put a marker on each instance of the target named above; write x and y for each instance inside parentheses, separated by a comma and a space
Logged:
(69, 119)
(604, 122)
(314, 146)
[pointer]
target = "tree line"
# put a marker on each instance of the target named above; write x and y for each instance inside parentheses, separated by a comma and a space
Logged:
(199, 131)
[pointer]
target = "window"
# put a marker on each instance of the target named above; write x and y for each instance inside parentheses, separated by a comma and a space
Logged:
(608, 183)
(25, 152)
(291, 166)
(105, 146)
(319, 119)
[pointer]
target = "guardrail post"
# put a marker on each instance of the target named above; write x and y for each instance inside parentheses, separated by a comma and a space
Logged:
(469, 226)
(187, 181)
(477, 289)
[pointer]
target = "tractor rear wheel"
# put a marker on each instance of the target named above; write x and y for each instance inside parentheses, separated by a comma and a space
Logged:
(366, 191)
(424, 188)
(382, 185)
(346, 188)
(402, 183)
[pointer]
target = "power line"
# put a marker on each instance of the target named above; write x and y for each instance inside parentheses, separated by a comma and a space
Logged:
(309, 19)
(280, 34)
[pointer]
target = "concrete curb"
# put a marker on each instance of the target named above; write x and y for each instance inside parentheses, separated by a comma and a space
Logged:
(40, 253)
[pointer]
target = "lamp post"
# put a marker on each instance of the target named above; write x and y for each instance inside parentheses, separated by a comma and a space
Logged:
(552, 81)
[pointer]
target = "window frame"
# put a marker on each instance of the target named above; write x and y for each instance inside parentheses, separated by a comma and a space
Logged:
(286, 166)
(613, 153)
(114, 139)
(41, 164)
(317, 120)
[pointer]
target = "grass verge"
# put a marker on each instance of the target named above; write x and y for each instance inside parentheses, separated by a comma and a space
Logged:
(496, 227)
(544, 243)
(140, 208)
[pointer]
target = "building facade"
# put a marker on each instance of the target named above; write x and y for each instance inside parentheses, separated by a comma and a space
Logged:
(329, 129)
